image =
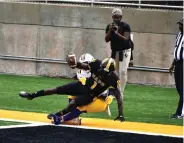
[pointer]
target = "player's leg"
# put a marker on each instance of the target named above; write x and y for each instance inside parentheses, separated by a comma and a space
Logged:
(97, 105)
(77, 90)
(117, 64)
(124, 66)
(178, 76)
(79, 101)
(58, 119)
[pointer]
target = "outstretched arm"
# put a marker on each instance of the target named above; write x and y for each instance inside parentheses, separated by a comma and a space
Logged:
(83, 66)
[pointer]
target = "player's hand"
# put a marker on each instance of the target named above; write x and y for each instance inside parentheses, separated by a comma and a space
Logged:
(120, 118)
(171, 69)
(111, 27)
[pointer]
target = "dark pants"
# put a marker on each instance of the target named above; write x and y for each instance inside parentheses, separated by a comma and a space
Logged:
(76, 89)
(178, 75)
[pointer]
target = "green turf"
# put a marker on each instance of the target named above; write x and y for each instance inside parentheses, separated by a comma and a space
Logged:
(141, 103)
(6, 123)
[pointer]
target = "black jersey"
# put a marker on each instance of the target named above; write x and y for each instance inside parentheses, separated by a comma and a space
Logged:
(98, 83)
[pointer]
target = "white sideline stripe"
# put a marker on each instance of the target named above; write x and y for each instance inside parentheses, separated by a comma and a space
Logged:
(122, 131)
(32, 124)
(24, 121)
(19, 126)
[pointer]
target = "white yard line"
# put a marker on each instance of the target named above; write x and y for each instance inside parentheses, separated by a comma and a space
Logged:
(122, 131)
(19, 126)
(32, 124)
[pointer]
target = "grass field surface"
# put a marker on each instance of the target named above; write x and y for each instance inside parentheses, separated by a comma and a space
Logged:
(6, 123)
(141, 103)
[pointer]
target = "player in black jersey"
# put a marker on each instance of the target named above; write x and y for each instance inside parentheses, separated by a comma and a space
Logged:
(85, 90)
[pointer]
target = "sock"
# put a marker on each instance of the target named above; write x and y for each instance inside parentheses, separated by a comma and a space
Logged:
(72, 115)
(38, 93)
(71, 107)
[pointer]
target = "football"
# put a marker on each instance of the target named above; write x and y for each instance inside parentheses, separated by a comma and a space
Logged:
(71, 60)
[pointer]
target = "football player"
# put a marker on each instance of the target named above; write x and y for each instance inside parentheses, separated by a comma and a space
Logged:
(86, 89)
(99, 104)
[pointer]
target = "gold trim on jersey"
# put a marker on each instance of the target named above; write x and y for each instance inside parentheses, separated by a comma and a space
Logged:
(94, 85)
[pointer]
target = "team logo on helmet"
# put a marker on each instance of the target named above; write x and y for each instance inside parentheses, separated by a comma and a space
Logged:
(86, 58)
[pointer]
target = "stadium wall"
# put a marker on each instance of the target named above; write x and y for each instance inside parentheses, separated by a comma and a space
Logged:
(51, 31)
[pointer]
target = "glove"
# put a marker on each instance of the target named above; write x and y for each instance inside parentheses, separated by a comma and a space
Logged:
(120, 117)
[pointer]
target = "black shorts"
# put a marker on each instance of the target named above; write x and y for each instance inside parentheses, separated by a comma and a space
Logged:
(76, 89)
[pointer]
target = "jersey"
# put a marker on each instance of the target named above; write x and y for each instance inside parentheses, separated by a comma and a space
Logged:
(98, 83)
(83, 74)
(116, 43)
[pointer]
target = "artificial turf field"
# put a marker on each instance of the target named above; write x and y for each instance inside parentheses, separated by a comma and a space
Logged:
(141, 103)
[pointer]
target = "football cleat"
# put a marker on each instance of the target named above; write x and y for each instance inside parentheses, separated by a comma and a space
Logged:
(24, 94)
(55, 119)
(175, 116)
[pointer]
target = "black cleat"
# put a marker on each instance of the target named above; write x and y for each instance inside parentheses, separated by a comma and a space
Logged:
(50, 116)
(175, 116)
(55, 119)
(24, 94)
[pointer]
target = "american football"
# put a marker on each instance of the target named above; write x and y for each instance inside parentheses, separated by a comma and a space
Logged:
(71, 60)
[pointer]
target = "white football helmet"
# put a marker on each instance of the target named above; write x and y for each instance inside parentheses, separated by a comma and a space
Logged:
(85, 58)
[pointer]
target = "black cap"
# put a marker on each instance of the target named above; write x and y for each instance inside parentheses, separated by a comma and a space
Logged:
(181, 21)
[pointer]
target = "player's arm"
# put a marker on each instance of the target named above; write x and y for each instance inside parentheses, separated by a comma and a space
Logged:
(126, 35)
(92, 66)
(83, 66)
(109, 31)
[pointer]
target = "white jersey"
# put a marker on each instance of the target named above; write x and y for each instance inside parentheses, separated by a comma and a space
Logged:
(83, 74)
